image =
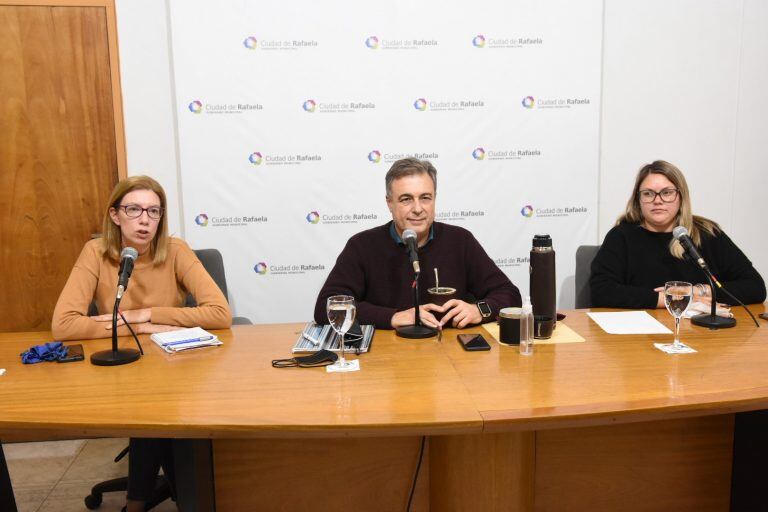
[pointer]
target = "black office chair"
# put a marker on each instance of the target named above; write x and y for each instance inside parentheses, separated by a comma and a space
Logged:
(214, 264)
(584, 256)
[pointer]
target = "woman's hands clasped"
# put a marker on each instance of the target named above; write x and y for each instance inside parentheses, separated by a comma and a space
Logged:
(140, 320)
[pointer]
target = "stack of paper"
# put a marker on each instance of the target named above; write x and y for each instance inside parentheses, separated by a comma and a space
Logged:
(185, 339)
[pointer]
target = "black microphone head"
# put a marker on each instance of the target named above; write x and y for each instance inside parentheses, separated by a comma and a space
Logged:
(409, 233)
(679, 231)
(129, 252)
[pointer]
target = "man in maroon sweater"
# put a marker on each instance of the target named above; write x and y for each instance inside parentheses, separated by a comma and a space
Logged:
(374, 267)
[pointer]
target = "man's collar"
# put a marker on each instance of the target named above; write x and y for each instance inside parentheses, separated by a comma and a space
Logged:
(396, 237)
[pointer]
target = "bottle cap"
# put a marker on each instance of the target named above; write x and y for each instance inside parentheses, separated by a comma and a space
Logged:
(527, 306)
(542, 241)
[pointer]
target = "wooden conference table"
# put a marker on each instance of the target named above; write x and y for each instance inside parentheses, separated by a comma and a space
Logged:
(608, 424)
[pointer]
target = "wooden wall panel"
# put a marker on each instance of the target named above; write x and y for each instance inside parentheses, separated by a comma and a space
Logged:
(482, 473)
(680, 465)
(370, 474)
(58, 150)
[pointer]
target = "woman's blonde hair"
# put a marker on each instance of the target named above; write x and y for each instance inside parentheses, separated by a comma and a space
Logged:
(112, 236)
(685, 217)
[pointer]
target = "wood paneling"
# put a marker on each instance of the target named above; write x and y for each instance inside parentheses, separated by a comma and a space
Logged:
(59, 150)
(483, 473)
(371, 474)
(681, 465)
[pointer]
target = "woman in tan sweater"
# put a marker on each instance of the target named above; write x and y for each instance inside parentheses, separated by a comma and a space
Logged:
(165, 271)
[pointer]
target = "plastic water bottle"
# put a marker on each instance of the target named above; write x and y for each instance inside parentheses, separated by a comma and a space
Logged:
(526, 328)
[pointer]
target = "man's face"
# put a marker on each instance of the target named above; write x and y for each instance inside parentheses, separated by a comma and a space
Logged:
(412, 205)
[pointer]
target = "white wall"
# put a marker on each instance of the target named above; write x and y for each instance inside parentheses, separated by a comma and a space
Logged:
(683, 81)
(146, 74)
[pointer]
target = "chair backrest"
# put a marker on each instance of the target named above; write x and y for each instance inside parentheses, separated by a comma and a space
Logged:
(584, 256)
(214, 264)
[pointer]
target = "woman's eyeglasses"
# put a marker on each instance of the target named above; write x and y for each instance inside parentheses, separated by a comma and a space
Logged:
(133, 211)
(668, 195)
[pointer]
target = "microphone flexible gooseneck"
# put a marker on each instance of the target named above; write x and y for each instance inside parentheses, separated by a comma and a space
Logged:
(117, 356)
(417, 330)
(680, 233)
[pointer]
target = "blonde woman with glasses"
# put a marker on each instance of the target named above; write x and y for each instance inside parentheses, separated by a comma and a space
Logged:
(639, 254)
(164, 273)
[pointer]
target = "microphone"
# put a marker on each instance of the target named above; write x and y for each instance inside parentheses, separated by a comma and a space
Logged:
(409, 237)
(127, 259)
(681, 235)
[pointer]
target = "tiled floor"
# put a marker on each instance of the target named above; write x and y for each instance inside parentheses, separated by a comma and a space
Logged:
(56, 476)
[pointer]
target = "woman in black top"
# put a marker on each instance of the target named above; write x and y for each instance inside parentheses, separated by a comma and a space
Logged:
(639, 254)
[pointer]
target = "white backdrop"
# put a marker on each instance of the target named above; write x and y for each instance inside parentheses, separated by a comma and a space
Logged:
(290, 115)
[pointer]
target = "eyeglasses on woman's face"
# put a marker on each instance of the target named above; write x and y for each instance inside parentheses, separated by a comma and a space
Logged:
(133, 211)
(668, 195)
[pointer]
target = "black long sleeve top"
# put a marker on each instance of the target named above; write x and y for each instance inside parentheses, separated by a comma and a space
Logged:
(374, 268)
(633, 261)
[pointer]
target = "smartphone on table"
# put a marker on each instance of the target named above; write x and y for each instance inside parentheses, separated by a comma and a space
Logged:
(473, 342)
(74, 353)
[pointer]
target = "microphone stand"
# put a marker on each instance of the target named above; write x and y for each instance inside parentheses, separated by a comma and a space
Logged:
(417, 330)
(711, 320)
(116, 356)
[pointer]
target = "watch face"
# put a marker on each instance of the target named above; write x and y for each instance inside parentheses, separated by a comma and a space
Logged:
(485, 309)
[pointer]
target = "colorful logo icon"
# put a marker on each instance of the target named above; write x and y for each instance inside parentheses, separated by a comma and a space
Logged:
(529, 102)
(201, 220)
(255, 158)
(309, 105)
(196, 107)
(372, 42)
(260, 268)
(250, 43)
(374, 156)
(478, 154)
(420, 104)
(313, 217)
(527, 211)
(478, 41)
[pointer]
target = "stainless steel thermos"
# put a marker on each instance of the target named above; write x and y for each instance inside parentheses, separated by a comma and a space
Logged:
(542, 285)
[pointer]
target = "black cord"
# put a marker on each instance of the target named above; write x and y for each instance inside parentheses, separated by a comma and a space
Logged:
(722, 288)
(141, 350)
(416, 474)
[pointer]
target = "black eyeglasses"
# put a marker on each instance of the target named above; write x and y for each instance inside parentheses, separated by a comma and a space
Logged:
(668, 195)
(133, 211)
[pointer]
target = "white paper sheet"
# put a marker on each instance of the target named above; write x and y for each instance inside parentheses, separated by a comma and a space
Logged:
(629, 322)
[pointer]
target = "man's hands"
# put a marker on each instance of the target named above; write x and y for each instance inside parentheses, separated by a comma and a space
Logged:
(140, 320)
(457, 312)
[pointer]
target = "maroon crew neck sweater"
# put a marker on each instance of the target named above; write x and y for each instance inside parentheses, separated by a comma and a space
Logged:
(375, 270)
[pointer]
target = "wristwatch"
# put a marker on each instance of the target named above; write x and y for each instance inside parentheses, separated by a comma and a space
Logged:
(485, 309)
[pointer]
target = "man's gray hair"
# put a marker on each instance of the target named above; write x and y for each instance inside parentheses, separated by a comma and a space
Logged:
(409, 167)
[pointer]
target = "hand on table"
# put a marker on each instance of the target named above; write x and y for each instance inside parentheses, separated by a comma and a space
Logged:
(408, 316)
(133, 316)
(460, 314)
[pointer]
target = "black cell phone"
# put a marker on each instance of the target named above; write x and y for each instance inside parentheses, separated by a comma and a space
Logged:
(74, 353)
(472, 342)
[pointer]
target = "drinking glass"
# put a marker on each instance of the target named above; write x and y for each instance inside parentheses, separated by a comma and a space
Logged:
(677, 297)
(341, 314)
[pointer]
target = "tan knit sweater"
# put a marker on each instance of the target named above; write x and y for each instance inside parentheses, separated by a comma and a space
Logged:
(162, 288)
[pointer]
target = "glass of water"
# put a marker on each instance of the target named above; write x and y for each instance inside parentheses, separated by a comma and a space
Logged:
(677, 297)
(341, 311)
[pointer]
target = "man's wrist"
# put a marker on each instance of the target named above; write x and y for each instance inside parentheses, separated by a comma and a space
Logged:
(485, 310)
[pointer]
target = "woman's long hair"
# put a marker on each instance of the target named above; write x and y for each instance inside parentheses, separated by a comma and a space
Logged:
(693, 223)
(112, 236)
